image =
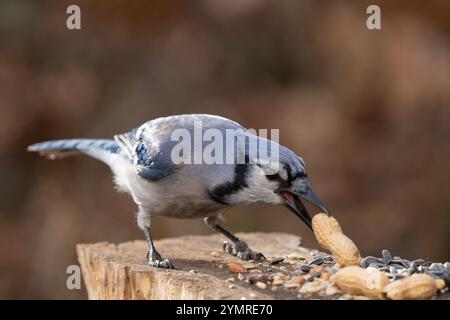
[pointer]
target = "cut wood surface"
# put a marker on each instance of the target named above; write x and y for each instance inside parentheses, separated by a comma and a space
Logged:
(121, 272)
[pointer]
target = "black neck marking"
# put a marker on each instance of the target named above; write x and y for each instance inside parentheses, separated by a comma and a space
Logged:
(221, 192)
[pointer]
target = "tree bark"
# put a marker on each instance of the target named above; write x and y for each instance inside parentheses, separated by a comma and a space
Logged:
(121, 272)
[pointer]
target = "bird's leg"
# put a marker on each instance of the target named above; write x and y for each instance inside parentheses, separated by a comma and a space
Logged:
(238, 248)
(153, 256)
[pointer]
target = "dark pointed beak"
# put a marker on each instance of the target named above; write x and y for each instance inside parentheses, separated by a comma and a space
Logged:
(310, 196)
(299, 210)
(294, 204)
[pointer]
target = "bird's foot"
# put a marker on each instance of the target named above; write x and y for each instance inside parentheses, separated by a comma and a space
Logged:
(155, 260)
(241, 250)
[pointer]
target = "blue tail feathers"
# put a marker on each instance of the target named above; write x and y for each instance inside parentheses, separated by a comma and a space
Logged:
(61, 148)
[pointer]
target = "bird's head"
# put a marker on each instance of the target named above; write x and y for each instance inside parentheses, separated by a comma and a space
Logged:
(287, 185)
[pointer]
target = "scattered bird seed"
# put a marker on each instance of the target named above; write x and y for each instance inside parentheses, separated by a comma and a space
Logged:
(291, 285)
(249, 266)
(295, 256)
(316, 261)
(398, 268)
(235, 267)
(314, 275)
(305, 268)
(325, 276)
(256, 277)
(277, 260)
(261, 285)
(376, 265)
(313, 287)
(316, 268)
(398, 277)
(387, 256)
(447, 279)
(295, 282)
(367, 261)
(437, 267)
(277, 282)
(401, 263)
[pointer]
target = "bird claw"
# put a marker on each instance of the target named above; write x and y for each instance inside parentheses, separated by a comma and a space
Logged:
(155, 260)
(165, 264)
(241, 250)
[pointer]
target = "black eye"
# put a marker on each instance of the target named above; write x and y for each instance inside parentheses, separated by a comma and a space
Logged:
(302, 175)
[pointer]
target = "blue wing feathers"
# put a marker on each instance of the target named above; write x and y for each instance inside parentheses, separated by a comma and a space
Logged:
(148, 146)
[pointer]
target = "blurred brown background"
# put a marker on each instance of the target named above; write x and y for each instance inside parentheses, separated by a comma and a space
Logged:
(369, 111)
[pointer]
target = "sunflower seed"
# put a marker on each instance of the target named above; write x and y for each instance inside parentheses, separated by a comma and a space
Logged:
(277, 260)
(316, 261)
(434, 274)
(398, 277)
(367, 261)
(419, 262)
(437, 267)
(375, 265)
(447, 266)
(408, 262)
(387, 256)
(402, 262)
(397, 266)
(305, 268)
(446, 278)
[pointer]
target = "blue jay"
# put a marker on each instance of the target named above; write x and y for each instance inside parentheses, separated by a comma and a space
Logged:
(141, 161)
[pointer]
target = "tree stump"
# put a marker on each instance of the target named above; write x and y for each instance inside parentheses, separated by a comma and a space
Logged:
(121, 272)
